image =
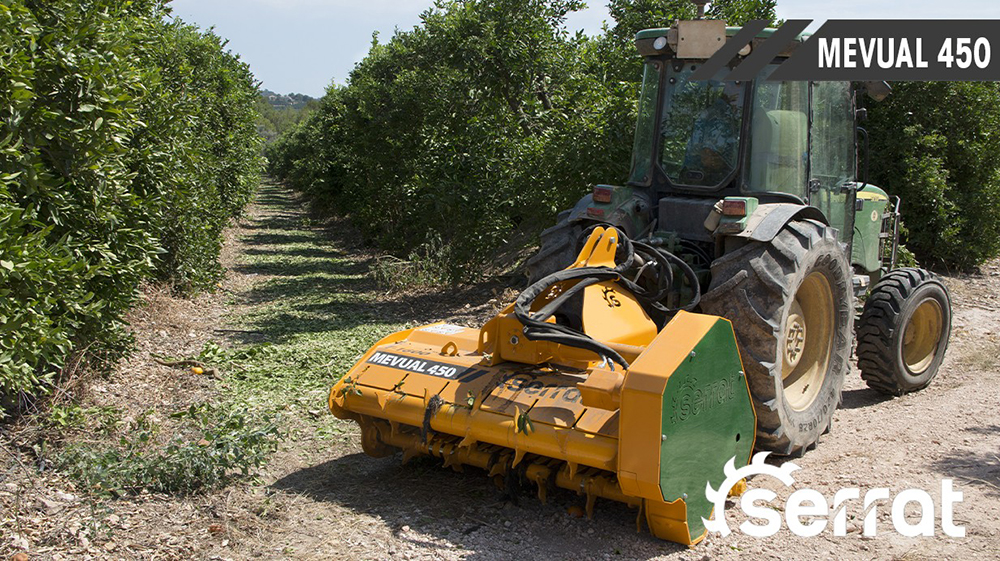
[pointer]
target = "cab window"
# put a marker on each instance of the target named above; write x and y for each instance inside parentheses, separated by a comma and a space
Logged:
(779, 140)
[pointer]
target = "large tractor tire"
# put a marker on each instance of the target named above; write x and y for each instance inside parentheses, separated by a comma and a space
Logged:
(791, 305)
(560, 245)
(903, 331)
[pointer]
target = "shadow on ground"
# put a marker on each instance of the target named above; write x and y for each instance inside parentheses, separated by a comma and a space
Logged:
(466, 508)
(318, 278)
(863, 397)
(981, 469)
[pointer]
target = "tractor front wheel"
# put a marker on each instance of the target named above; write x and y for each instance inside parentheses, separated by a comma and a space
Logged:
(791, 305)
(903, 331)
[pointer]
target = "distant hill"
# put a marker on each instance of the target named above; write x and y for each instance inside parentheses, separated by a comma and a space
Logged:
(283, 101)
(280, 113)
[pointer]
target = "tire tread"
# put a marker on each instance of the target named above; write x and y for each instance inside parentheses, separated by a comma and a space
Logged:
(877, 328)
(755, 307)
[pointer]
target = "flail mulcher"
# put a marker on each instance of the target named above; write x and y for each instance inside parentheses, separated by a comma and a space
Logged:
(587, 382)
(601, 379)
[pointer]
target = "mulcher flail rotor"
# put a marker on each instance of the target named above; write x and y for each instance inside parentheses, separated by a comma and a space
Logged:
(582, 384)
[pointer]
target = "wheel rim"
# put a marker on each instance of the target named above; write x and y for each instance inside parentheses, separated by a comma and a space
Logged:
(922, 335)
(807, 341)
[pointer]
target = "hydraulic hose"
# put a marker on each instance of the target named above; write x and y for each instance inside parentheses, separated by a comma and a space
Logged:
(650, 258)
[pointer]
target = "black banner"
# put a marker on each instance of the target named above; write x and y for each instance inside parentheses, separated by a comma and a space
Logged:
(876, 50)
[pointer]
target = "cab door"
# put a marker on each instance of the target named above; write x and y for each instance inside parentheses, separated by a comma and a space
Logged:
(832, 154)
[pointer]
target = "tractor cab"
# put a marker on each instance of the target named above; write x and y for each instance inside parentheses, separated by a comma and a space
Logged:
(754, 185)
(791, 142)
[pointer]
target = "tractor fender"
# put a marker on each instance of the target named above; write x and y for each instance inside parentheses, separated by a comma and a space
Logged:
(629, 210)
(579, 210)
(769, 219)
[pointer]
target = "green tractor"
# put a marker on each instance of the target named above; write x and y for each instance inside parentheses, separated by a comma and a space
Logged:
(755, 184)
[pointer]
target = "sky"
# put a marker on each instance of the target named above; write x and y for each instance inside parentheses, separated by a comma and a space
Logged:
(302, 46)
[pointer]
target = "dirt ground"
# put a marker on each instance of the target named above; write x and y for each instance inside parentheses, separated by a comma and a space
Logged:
(321, 497)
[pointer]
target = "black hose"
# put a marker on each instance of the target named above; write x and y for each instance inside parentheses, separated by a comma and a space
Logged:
(659, 260)
(537, 329)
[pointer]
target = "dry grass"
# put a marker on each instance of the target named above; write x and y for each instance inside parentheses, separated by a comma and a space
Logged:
(983, 356)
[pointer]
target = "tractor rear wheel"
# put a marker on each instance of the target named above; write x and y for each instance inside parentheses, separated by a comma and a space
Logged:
(791, 305)
(903, 331)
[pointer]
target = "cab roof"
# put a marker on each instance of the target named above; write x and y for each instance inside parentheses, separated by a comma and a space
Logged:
(730, 32)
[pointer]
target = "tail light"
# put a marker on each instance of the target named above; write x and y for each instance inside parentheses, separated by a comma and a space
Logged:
(734, 207)
(602, 194)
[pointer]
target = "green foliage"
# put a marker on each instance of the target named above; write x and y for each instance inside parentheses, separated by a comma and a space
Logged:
(213, 354)
(196, 158)
(126, 143)
(210, 445)
(277, 119)
(469, 133)
(229, 362)
(905, 257)
(935, 144)
(313, 154)
(67, 417)
(738, 12)
(72, 246)
(420, 270)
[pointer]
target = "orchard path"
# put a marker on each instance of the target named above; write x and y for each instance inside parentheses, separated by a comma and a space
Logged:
(335, 501)
(300, 299)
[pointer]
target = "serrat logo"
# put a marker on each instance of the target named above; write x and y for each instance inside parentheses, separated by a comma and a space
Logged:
(808, 512)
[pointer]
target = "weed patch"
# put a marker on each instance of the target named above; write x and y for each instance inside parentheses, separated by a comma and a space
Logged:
(984, 356)
(208, 446)
(64, 418)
